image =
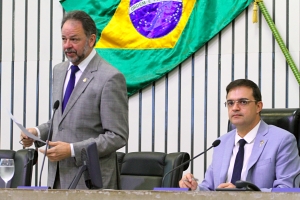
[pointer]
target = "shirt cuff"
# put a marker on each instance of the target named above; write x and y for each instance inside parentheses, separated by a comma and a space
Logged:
(72, 150)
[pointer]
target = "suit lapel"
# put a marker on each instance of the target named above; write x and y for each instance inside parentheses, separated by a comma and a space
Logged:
(259, 145)
(82, 83)
(226, 157)
(59, 82)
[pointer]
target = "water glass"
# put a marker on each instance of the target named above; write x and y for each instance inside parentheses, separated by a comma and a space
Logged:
(7, 169)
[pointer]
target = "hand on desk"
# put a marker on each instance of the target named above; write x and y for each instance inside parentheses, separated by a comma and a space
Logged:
(58, 151)
(226, 185)
(188, 181)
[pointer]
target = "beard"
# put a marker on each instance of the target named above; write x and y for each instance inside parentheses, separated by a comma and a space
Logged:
(79, 57)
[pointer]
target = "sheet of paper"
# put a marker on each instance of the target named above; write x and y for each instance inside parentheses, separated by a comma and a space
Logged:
(24, 130)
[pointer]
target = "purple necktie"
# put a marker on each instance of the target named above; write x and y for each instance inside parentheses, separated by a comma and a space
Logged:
(70, 86)
(238, 164)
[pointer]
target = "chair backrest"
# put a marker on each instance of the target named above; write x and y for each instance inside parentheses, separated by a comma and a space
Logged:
(24, 160)
(285, 118)
(145, 170)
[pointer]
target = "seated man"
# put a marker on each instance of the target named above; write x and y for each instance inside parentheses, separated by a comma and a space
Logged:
(262, 154)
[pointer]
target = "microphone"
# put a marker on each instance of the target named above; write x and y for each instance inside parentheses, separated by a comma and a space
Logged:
(55, 106)
(214, 144)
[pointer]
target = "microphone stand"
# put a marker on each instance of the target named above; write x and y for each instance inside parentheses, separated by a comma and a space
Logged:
(214, 144)
(163, 179)
(55, 106)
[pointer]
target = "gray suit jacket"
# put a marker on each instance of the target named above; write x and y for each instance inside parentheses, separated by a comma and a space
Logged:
(274, 161)
(97, 111)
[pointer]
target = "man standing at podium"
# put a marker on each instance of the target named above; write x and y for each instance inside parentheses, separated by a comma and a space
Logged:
(262, 154)
(93, 107)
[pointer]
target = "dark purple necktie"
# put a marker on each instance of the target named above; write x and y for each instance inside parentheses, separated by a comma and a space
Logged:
(70, 86)
(238, 164)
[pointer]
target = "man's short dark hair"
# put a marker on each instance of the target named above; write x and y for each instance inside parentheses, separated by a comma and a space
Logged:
(87, 22)
(246, 83)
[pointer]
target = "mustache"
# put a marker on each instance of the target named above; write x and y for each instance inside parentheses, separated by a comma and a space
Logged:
(234, 114)
(70, 51)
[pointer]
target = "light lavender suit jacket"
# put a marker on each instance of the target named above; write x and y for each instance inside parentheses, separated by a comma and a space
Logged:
(97, 111)
(274, 161)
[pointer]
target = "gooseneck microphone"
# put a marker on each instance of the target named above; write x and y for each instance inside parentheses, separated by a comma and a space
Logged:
(214, 144)
(49, 138)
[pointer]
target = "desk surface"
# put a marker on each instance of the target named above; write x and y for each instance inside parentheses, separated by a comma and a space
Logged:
(12, 194)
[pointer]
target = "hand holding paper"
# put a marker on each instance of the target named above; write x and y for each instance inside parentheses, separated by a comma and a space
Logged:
(25, 131)
(26, 140)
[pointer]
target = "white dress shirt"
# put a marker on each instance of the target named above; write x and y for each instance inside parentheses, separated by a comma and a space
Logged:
(78, 74)
(247, 152)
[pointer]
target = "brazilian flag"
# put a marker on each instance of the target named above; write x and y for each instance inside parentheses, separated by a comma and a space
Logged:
(145, 39)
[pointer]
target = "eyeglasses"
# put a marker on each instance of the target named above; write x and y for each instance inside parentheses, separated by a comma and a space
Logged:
(30, 156)
(240, 102)
(21, 141)
(30, 153)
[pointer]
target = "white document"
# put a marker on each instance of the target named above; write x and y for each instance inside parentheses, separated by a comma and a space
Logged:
(24, 130)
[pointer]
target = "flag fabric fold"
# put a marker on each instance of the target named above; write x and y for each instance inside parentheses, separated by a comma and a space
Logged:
(145, 39)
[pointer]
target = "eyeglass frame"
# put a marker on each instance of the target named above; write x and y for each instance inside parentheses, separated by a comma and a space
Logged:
(239, 102)
(30, 153)
(21, 141)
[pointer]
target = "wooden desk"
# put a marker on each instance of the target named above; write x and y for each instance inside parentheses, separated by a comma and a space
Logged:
(19, 194)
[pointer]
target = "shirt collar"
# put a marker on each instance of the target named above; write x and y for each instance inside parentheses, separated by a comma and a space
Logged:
(249, 137)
